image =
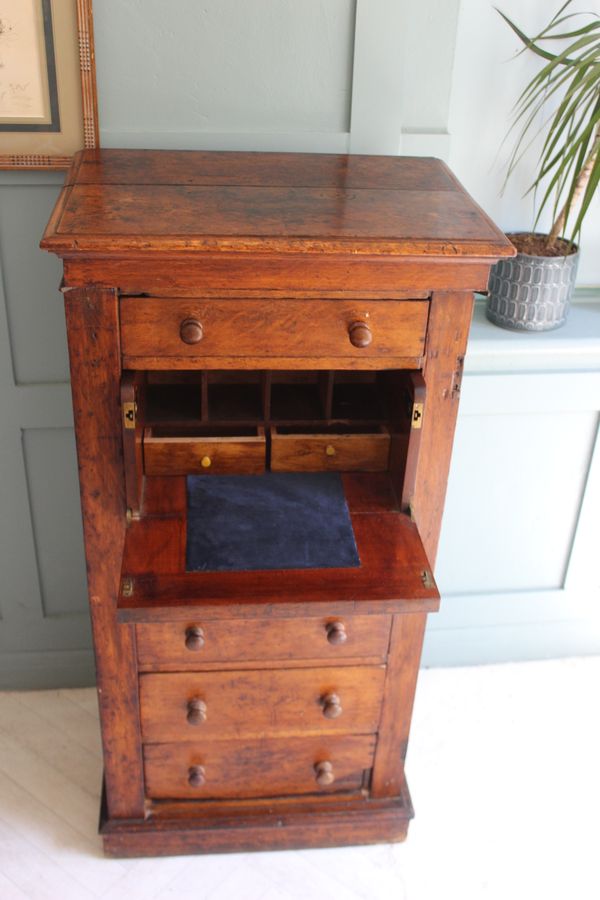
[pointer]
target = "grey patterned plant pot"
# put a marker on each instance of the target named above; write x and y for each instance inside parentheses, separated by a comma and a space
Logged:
(531, 293)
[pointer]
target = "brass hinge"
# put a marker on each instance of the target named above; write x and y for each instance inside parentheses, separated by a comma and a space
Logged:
(427, 579)
(417, 415)
(129, 411)
(127, 587)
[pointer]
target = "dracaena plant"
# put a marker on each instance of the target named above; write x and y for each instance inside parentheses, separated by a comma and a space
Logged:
(565, 96)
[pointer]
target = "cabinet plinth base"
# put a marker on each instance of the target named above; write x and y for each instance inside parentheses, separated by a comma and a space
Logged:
(276, 825)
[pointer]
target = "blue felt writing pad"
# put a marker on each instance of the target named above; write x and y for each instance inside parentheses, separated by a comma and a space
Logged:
(295, 520)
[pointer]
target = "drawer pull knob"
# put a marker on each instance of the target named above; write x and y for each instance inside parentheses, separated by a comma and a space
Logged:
(324, 773)
(194, 637)
(330, 450)
(196, 711)
(332, 706)
(191, 331)
(360, 334)
(206, 462)
(196, 776)
(336, 633)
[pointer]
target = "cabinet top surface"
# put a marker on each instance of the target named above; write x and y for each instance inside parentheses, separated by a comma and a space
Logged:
(120, 201)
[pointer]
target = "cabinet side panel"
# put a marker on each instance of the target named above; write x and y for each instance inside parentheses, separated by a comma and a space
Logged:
(93, 337)
(406, 643)
(449, 321)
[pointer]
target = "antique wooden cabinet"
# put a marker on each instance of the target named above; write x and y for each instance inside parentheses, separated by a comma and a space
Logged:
(236, 315)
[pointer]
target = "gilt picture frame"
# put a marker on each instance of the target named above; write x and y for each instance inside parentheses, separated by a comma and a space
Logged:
(48, 101)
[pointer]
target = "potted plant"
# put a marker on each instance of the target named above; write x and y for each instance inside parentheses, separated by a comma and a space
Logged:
(532, 291)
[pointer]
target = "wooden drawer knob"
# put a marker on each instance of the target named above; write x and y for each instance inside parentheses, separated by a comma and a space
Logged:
(196, 776)
(360, 334)
(194, 637)
(332, 706)
(196, 711)
(329, 450)
(324, 773)
(336, 633)
(191, 331)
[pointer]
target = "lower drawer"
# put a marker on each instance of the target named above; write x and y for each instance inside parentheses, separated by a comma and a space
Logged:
(190, 706)
(330, 448)
(258, 768)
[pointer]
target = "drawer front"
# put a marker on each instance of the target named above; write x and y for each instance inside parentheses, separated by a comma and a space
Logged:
(155, 327)
(269, 703)
(257, 768)
(298, 452)
(189, 645)
(205, 455)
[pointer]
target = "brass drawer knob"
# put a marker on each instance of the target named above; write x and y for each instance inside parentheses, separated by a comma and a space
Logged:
(324, 773)
(196, 776)
(194, 637)
(332, 706)
(336, 633)
(329, 450)
(360, 334)
(196, 711)
(206, 462)
(191, 331)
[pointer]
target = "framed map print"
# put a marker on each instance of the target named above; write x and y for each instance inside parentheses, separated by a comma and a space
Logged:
(48, 107)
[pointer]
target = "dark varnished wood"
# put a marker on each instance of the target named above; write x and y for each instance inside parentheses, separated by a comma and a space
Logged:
(93, 336)
(253, 768)
(399, 691)
(282, 824)
(172, 644)
(295, 269)
(389, 579)
(260, 704)
(295, 451)
(152, 327)
(208, 454)
(449, 323)
(405, 214)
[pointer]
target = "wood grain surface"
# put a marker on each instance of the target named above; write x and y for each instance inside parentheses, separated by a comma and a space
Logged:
(263, 328)
(265, 703)
(253, 768)
(235, 640)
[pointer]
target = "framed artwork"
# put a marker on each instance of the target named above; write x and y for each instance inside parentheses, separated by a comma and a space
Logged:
(48, 105)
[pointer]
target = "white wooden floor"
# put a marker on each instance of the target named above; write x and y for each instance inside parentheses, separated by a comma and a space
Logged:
(503, 768)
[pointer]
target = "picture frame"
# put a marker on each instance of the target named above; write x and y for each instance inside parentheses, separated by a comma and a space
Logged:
(48, 100)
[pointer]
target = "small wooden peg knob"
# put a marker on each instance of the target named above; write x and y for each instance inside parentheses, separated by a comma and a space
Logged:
(324, 773)
(206, 462)
(336, 633)
(360, 334)
(194, 637)
(196, 776)
(196, 711)
(332, 706)
(191, 331)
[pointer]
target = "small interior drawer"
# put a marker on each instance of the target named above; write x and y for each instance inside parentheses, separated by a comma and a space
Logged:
(256, 768)
(240, 451)
(185, 645)
(191, 706)
(338, 448)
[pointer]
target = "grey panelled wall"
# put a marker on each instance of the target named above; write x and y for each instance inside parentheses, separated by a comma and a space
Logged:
(44, 627)
(273, 74)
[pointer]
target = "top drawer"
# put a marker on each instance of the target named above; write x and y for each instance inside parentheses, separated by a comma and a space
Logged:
(188, 329)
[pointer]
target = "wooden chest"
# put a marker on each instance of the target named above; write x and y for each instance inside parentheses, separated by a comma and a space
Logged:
(240, 314)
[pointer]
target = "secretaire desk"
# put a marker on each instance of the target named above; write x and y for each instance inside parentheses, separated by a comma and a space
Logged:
(244, 315)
